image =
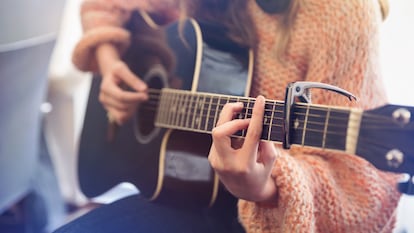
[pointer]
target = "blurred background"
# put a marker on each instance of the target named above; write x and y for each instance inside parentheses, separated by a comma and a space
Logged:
(39, 35)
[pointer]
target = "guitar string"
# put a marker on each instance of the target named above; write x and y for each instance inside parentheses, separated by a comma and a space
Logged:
(369, 125)
(340, 134)
(374, 119)
(373, 123)
(328, 132)
(156, 96)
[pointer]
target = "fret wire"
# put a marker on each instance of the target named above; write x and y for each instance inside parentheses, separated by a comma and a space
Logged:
(178, 109)
(205, 112)
(325, 129)
(244, 131)
(304, 125)
(180, 113)
(239, 100)
(170, 98)
(196, 104)
(185, 110)
(160, 110)
(271, 121)
(171, 109)
(189, 115)
(268, 106)
(239, 116)
(216, 111)
(201, 117)
(195, 111)
(208, 114)
(164, 108)
(198, 112)
(277, 127)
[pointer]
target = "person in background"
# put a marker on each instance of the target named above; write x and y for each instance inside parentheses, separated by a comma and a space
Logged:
(296, 190)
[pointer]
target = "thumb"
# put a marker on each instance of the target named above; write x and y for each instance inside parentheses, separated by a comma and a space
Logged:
(268, 154)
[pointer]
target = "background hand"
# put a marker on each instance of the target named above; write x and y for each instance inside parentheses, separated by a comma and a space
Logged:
(121, 92)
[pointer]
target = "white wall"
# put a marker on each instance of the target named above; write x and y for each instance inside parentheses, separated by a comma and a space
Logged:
(397, 46)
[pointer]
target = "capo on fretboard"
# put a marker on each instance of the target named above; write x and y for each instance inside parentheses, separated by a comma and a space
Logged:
(301, 90)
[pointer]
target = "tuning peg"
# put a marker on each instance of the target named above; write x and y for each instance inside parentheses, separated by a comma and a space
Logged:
(407, 185)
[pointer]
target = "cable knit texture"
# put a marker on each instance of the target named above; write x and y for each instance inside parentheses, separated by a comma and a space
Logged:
(333, 41)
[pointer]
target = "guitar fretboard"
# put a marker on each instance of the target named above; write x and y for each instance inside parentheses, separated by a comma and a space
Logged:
(311, 125)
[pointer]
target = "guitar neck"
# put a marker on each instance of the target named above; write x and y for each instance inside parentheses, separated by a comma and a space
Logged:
(312, 125)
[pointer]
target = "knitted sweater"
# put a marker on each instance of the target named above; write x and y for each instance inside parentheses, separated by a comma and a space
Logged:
(333, 41)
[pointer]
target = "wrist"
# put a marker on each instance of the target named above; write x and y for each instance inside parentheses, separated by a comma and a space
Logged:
(106, 56)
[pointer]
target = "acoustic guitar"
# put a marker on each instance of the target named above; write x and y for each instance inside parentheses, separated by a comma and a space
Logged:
(192, 75)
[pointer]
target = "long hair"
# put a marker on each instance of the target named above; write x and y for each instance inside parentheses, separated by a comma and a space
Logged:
(229, 13)
(234, 16)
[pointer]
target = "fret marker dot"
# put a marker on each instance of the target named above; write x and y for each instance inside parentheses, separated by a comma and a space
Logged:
(296, 124)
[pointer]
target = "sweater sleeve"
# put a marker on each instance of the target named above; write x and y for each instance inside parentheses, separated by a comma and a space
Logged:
(325, 192)
(103, 21)
(322, 191)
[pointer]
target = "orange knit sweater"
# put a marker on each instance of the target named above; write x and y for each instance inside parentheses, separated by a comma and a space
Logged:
(333, 41)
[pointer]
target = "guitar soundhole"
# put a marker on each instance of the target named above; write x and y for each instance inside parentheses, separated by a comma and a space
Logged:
(144, 127)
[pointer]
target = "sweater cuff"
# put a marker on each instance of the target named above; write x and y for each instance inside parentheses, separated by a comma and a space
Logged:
(84, 57)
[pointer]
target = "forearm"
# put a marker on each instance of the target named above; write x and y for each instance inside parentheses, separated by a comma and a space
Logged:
(103, 22)
(106, 55)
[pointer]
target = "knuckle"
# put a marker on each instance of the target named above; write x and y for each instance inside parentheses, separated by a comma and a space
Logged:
(122, 98)
(217, 133)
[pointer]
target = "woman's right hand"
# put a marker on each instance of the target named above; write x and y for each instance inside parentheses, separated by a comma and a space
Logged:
(121, 90)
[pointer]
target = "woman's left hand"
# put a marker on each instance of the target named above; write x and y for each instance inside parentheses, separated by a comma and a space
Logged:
(245, 170)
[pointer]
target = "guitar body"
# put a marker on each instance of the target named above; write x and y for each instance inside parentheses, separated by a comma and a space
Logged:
(103, 164)
(163, 149)
(166, 165)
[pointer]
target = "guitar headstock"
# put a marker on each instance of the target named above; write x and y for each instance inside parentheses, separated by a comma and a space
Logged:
(386, 139)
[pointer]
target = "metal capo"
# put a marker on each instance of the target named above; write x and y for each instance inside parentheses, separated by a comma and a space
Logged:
(301, 90)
